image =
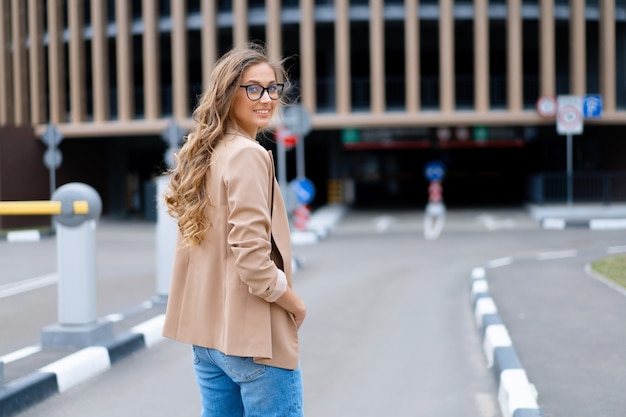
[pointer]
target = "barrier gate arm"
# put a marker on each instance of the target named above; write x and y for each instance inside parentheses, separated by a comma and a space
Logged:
(42, 208)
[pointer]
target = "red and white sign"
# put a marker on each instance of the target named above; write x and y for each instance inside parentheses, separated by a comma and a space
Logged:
(547, 107)
(569, 116)
(285, 137)
(435, 192)
(301, 216)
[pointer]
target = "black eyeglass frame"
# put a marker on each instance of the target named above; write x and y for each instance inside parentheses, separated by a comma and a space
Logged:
(263, 90)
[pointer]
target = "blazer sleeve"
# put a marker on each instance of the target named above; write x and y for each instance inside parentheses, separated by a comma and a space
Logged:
(249, 220)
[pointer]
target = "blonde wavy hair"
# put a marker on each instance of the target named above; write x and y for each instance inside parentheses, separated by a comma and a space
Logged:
(186, 198)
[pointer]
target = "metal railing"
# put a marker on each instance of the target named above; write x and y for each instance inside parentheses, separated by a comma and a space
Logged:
(587, 187)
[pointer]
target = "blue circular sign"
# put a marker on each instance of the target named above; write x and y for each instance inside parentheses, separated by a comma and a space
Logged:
(304, 190)
(434, 171)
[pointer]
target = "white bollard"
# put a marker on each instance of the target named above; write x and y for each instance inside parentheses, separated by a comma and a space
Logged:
(76, 253)
(166, 230)
(78, 324)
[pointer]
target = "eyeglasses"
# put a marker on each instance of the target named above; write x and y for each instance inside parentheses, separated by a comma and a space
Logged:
(255, 91)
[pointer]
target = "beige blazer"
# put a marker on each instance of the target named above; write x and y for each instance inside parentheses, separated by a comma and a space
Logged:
(219, 290)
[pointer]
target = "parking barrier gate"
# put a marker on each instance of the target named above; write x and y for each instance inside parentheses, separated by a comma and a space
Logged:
(75, 208)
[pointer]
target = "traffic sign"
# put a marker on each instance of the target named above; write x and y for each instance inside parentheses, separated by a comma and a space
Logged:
(546, 106)
(443, 134)
(297, 120)
(52, 158)
(569, 117)
(592, 106)
(304, 190)
(480, 133)
(434, 171)
(462, 133)
(285, 137)
(52, 137)
(435, 191)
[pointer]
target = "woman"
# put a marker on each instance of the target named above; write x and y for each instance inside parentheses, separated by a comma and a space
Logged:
(231, 294)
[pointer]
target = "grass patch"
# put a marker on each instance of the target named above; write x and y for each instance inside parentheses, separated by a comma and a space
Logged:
(613, 267)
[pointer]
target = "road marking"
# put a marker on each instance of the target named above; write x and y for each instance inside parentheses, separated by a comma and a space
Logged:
(486, 404)
(562, 254)
(20, 354)
(494, 223)
(616, 249)
(383, 223)
(494, 263)
(26, 285)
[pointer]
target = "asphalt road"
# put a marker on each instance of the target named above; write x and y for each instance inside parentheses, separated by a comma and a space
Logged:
(389, 330)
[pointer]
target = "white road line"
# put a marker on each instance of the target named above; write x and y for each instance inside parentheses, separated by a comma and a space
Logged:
(562, 254)
(494, 263)
(20, 354)
(616, 249)
(383, 223)
(493, 223)
(26, 285)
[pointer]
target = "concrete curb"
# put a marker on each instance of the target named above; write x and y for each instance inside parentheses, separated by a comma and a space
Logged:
(517, 397)
(556, 223)
(77, 367)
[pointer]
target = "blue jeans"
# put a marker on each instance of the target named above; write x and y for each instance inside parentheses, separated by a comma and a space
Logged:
(234, 386)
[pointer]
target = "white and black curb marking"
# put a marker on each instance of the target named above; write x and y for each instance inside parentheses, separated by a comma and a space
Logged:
(517, 397)
(556, 223)
(76, 368)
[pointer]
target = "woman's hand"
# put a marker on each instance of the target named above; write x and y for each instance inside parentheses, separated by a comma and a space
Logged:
(294, 306)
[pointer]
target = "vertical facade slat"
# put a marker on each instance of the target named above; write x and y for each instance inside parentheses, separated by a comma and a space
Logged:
(342, 57)
(5, 63)
(78, 84)
(36, 62)
(240, 24)
(481, 55)
(209, 40)
(547, 51)
(411, 53)
(100, 72)
(607, 55)
(578, 72)
(377, 56)
(20, 66)
(124, 61)
(307, 60)
(273, 30)
(151, 60)
(56, 63)
(180, 78)
(514, 79)
(446, 55)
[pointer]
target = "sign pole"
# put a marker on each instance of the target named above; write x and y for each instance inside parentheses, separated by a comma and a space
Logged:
(53, 173)
(300, 170)
(282, 166)
(297, 121)
(570, 190)
(569, 121)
